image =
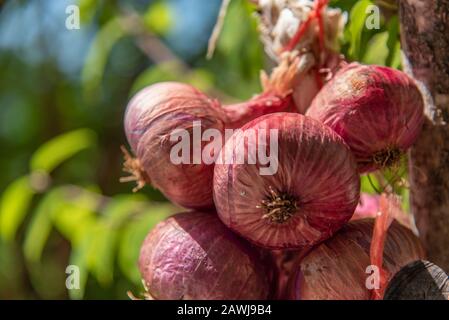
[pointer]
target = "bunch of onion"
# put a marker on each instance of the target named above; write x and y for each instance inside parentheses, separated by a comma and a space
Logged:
(311, 193)
(307, 58)
(358, 262)
(193, 255)
(378, 111)
(157, 111)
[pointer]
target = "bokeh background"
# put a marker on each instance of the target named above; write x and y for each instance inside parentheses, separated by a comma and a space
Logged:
(63, 94)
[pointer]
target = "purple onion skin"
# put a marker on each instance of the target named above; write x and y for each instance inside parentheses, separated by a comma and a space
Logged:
(286, 263)
(336, 269)
(157, 111)
(193, 255)
(316, 169)
(151, 117)
(373, 109)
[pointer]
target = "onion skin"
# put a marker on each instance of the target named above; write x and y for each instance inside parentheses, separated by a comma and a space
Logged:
(335, 270)
(316, 171)
(157, 111)
(151, 117)
(285, 264)
(309, 83)
(194, 256)
(376, 110)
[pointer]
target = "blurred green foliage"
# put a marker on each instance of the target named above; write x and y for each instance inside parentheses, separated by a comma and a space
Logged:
(61, 202)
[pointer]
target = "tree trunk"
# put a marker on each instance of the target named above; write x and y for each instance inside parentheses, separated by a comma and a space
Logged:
(425, 43)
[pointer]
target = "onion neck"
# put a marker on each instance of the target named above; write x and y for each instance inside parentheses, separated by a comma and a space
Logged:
(276, 95)
(241, 113)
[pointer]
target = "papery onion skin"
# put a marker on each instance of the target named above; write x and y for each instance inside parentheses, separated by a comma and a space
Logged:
(151, 117)
(157, 111)
(193, 255)
(310, 82)
(316, 171)
(337, 268)
(378, 111)
(285, 264)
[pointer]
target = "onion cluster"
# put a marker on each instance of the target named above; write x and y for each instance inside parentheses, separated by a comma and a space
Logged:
(378, 111)
(314, 191)
(339, 269)
(277, 212)
(159, 110)
(194, 256)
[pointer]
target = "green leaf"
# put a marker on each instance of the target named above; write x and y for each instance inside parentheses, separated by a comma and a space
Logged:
(122, 207)
(377, 50)
(369, 184)
(168, 71)
(396, 61)
(405, 200)
(344, 5)
(103, 238)
(87, 10)
(78, 257)
(132, 237)
(356, 27)
(201, 79)
(40, 227)
(393, 43)
(173, 71)
(59, 149)
(11, 276)
(14, 205)
(240, 50)
(158, 17)
(77, 213)
(92, 73)
(100, 258)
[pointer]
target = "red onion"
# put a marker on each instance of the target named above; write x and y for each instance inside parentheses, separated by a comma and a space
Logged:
(312, 193)
(151, 117)
(160, 110)
(378, 111)
(194, 256)
(309, 83)
(337, 268)
(285, 263)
